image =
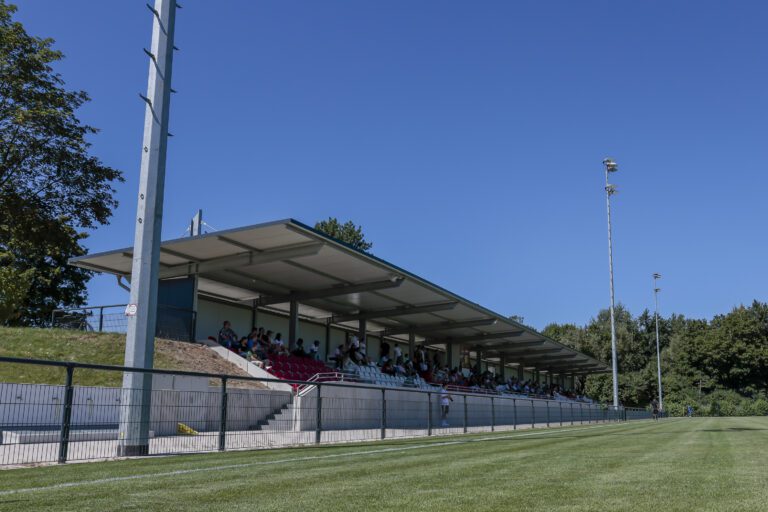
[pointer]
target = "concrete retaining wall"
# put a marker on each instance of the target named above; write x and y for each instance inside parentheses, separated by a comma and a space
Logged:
(175, 399)
(355, 407)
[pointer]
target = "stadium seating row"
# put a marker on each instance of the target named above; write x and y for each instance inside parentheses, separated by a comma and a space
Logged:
(374, 375)
(295, 368)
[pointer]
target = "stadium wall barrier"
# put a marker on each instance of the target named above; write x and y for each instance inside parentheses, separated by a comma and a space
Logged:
(190, 412)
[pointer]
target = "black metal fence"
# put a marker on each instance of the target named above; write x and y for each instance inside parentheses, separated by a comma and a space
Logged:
(172, 323)
(188, 412)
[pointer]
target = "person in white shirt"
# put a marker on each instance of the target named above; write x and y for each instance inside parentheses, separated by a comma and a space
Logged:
(445, 402)
(314, 350)
(398, 353)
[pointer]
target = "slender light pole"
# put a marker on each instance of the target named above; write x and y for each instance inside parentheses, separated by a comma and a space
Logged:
(142, 311)
(611, 166)
(656, 291)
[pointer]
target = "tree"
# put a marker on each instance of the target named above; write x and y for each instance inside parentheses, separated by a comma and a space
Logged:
(349, 233)
(14, 287)
(51, 188)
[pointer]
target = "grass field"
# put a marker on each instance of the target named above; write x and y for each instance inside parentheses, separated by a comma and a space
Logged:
(678, 464)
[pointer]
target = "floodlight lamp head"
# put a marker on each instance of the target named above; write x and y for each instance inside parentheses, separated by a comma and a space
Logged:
(610, 165)
(611, 189)
(656, 275)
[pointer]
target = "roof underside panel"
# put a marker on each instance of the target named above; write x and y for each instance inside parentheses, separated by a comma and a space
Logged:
(278, 259)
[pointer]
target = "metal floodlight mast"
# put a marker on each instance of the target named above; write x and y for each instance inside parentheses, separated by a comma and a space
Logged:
(656, 291)
(611, 166)
(133, 433)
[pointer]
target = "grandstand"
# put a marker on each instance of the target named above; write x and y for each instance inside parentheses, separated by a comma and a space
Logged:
(292, 279)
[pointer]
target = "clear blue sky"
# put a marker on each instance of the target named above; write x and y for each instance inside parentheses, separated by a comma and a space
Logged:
(466, 137)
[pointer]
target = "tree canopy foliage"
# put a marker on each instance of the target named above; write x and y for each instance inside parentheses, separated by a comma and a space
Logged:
(349, 232)
(715, 364)
(51, 187)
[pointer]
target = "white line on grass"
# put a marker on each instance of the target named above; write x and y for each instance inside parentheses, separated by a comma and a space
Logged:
(294, 459)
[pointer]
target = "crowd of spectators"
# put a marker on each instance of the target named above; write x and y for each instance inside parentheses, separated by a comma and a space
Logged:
(262, 344)
(392, 361)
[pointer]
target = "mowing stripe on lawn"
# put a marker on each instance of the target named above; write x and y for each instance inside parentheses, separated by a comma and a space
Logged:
(99, 481)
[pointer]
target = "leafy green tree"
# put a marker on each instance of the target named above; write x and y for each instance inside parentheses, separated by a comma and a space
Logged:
(51, 188)
(349, 233)
(14, 287)
(720, 367)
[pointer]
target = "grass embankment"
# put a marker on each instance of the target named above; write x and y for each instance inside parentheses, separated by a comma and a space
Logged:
(90, 347)
(712, 464)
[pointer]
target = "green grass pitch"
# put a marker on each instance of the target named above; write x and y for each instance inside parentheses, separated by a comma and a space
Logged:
(681, 464)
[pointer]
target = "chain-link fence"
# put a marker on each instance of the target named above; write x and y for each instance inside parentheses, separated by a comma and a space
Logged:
(188, 412)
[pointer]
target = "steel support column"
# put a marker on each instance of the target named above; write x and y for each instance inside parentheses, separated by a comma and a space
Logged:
(293, 324)
(362, 327)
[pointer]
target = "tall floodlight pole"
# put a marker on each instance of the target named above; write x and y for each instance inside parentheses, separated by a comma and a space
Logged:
(610, 166)
(142, 310)
(656, 291)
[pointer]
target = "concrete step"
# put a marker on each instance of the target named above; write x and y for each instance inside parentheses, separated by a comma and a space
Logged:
(52, 436)
(282, 420)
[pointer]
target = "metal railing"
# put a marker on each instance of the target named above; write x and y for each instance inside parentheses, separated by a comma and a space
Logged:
(190, 412)
(172, 323)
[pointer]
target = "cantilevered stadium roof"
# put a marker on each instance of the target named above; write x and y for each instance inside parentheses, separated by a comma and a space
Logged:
(283, 261)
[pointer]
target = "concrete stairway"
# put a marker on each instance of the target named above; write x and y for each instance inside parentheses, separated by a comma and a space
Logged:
(282, 419)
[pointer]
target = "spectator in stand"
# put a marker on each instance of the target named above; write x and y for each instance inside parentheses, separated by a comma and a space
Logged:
(363, 348)
(278, 344)
(227, 337)
(261, 348)
(267, 340)
(253, 338)
(314, 350)
(384, 350)
(421, 355)
(388, 368)
(242, 347)
(398, 354)
(338, 357)
(298, 350)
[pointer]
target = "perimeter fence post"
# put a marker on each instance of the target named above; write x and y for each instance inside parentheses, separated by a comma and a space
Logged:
(493, 415)
(429, 414)
(560, 404)
(319, 418)
(66, 417)
(465, 414)
(581, 413)
(101, 318)
(514, 414)
(533, 414)
(223, 416)
(547, 402)
(383, 413)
